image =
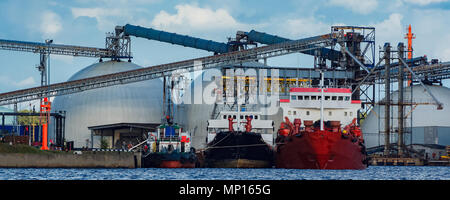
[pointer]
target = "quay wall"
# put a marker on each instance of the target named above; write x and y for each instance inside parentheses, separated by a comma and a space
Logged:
(70, 160)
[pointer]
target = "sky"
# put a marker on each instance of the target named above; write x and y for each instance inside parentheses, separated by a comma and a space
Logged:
(86, 22)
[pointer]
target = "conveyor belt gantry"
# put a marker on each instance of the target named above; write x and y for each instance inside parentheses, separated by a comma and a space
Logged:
(167, 69)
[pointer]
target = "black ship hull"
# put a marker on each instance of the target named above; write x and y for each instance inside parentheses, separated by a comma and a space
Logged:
(169, 160)
(238, 150)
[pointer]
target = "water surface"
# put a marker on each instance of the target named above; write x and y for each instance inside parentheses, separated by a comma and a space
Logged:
(371, 173)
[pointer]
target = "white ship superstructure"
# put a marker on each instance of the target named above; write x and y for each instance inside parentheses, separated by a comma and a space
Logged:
(304, 103)
(239, 119)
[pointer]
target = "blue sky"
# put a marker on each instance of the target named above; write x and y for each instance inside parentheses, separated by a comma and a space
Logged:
(85, 22)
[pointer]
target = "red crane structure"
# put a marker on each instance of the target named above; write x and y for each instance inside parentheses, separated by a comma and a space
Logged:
(45, 120)
(410, 36)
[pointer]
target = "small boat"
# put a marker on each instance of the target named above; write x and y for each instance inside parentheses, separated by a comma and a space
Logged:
(169, 147)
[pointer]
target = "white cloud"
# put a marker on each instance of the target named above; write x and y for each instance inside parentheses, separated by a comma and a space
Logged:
(445, 56)
(193, 18)
(27, 82)
(357, 6)
(50, 24)
(96, 12)
(305, 27)
(424, 2)
(102, 15)
(390, 30)
(432, 33)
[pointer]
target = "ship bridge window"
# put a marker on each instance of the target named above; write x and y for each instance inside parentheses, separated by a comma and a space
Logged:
(329, 113)
(347, 98)
(345, 114)
(313, 97)
(307, 112)
(351, 113)
(327, 98)
(256, 116)
(224, 117)
(306, 97)
(319, 98)
(234, 116)
(300, 97)
(289, 113)
(293, 97)
(340, 98)
(334, 98)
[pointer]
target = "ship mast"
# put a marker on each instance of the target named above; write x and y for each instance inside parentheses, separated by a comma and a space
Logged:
(238, 95)
(321, 99)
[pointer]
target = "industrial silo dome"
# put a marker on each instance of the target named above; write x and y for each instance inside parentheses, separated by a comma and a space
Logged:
(429, 125)
(139, 102)
(194, 114)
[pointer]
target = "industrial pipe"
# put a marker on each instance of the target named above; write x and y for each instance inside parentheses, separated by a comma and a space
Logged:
(173, 38)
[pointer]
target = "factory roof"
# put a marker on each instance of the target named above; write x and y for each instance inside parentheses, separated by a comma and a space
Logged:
(148, 126)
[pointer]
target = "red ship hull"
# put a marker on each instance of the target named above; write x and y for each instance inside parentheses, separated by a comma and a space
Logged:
(320, 150)
(176, 164)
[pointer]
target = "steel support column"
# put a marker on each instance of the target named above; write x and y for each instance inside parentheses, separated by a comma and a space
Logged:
(387, 98)
(400, 144)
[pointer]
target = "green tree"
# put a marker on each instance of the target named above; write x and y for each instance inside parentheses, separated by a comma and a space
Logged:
(104, 143)
(27, 120)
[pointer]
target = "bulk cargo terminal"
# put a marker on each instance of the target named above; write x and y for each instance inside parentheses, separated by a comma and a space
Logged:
(113, 104)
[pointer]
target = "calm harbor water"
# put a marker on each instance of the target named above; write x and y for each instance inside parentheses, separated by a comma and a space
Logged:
(371, 173)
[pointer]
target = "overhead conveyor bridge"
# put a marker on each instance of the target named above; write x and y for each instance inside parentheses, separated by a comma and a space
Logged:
(168, 69)
(59, 49)
(174, 38)
(264, 38)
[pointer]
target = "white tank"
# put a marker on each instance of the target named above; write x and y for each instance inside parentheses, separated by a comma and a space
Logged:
(430, 126)
(139, 102)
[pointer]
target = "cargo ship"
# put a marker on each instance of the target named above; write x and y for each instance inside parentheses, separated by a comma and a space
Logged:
(169, 147)
(239, 140)
(329, 137)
